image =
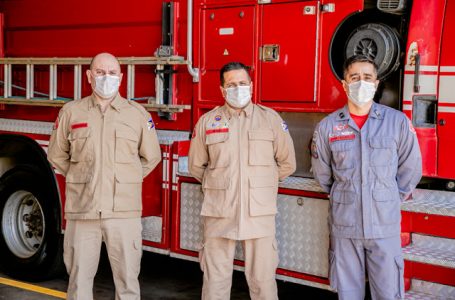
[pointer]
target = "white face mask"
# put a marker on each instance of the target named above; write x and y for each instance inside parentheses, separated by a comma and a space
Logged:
(238, 96)
(107, 86)
(361, 92)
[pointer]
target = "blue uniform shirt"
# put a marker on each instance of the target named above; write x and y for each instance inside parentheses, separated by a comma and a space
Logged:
(367, 172)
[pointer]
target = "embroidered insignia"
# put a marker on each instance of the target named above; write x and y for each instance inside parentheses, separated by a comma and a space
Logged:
(150, 124)
(284, 126)
(217, 118)
(56, 124)
(340, 127)
(411, 127)
(78, 125)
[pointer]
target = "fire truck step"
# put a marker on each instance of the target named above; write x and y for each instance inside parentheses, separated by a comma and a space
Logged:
(431, 250)
(421, 290)
(431, 202)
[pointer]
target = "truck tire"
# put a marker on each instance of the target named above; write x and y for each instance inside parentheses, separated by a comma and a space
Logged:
(378, 42)
(30, 238)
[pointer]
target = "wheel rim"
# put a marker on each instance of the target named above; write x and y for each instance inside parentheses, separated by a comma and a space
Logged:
(23, 216)
(368, 48)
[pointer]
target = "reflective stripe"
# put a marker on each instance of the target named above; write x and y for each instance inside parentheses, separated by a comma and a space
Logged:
(428, 85)
(447, 69)
(446, 89)
(422, 68)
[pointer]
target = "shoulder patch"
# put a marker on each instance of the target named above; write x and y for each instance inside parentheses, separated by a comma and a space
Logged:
(284, 125)
(150, 124)
(314, 146)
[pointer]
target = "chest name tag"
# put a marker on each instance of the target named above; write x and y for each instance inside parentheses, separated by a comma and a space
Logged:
(78, 125)
(218, 130)
(341, 138)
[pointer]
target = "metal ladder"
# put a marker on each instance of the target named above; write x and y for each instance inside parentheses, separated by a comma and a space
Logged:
(77, 63)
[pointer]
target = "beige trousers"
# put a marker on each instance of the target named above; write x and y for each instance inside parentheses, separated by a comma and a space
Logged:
(81, 253)
(261, 260)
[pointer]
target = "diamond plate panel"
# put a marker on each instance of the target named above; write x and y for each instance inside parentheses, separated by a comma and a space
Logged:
(302, 184)
(432, 290)
(35, 127)
(302, 230)
(190, 219)
(303, 234)
(152, 228)
(167, 137)
(431, 250)
(413, 295)
(431, 202)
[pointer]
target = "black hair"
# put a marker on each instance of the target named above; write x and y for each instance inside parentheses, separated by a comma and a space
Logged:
(358, 58)
(231, 67)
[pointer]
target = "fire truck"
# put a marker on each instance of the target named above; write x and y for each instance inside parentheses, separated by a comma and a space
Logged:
(171, 53)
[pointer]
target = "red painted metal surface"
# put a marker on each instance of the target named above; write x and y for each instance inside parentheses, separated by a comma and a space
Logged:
(292, 27)
(436, 225)
(429, 272)
(446, 163)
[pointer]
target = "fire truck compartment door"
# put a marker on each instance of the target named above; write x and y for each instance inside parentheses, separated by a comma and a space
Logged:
(227, 36)
(288, 52)
(446, 105)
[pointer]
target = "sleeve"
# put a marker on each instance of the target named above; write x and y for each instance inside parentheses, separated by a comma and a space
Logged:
(198, 155)
(283, 148)
(409, 160)
(58, 152)
(149, 147)
(321, 157)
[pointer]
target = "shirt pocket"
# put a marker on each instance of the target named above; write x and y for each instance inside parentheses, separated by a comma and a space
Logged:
(215, 200)
(343, 208)
(343, 156)
(126, 145)
(217, 144)
(128, 187)
(263, 194)
(386, 206)
(81, 145)
(78, 197)
(382, 151)
(260, 148)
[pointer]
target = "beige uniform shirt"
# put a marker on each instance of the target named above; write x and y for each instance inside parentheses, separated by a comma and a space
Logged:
(103, 157)
(239, 159)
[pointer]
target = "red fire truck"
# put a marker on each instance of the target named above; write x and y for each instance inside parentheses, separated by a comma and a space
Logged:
(171, 53)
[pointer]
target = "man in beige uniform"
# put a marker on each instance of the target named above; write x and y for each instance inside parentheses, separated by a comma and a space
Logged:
(104, 145)
(239, 152)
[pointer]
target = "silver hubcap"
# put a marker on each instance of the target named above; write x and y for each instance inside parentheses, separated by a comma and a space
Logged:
(23, 224)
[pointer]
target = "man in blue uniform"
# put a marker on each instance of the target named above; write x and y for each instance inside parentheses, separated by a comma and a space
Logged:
(367, 157)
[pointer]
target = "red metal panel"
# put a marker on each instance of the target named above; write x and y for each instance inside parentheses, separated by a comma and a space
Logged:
(227, 35)
(429, 272)
(292, 27)
(428, 147)
(446, 109)
(436, 225)
(425, 28)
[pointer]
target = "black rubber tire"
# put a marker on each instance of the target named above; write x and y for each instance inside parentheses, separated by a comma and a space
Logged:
(379, 42)
(47, 262)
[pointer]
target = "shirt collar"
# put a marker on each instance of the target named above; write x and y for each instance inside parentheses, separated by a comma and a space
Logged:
(116, 103)
(376, 112)
(247, 110)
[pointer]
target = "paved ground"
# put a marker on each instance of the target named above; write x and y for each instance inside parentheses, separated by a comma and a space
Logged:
(162, 278)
